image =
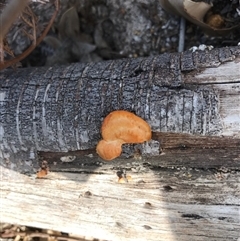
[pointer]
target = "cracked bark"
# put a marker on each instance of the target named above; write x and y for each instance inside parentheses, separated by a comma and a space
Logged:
(61, 108)
(191, 101)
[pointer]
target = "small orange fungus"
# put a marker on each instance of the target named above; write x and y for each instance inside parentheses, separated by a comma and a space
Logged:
(118, 128)
(42, 173)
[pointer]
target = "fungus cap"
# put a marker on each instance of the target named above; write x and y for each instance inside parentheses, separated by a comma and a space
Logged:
(125, 126)
(121, 127)
(109, 150)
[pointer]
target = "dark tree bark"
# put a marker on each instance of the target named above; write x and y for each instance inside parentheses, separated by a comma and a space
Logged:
(191, 101)
(61, 108)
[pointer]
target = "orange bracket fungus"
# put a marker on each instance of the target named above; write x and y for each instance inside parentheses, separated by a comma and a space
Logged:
(118, 128)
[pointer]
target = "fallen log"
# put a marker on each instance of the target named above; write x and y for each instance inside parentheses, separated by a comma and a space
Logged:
(183, 182)
(61, 108)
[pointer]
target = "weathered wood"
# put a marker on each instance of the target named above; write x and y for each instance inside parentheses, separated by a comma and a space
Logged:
(228, 158)
(61, 108)
(184, 184)
(175, 203)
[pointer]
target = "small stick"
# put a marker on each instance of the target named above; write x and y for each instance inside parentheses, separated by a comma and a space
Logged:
(181, 35)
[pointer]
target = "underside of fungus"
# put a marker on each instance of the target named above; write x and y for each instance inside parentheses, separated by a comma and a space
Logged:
(118, 128)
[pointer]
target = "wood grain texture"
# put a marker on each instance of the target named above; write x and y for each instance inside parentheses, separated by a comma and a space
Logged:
(156, 204)
(184, 184)
(61, 108)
